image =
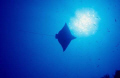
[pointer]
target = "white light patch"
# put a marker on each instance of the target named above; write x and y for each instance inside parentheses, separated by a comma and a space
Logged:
(84, 23)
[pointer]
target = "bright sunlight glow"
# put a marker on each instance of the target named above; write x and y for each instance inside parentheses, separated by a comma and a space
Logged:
(84, 23)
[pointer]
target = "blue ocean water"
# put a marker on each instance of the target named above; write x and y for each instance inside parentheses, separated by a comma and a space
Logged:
(28, 48)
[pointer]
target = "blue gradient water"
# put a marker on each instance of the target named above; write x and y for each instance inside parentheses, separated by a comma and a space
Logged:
(30, 55)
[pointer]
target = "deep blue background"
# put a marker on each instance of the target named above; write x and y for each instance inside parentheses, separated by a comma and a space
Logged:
(29, 55)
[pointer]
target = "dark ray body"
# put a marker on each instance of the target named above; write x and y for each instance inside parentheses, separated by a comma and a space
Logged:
(64, 37)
